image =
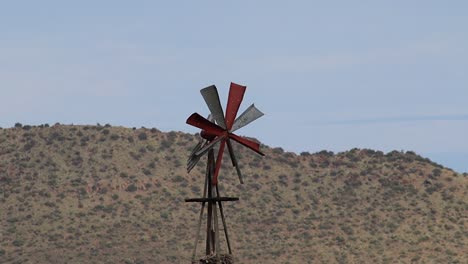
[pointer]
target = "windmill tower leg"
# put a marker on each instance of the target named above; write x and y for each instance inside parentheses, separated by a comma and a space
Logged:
(216, 233)
(197, 236)
(212, 239)
(224, 221)
(209, 235)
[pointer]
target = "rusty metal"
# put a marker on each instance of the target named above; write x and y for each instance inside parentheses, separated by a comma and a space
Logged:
(199, 121)
(219, 160)
(236, 94)
(248, 143)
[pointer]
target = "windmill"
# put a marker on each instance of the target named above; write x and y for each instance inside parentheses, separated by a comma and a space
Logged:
(218, 128)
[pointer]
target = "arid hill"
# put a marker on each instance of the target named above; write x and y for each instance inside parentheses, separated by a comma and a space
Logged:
(102, 194)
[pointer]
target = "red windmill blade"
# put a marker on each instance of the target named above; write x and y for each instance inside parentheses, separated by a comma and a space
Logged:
(236, 94)
(222, 131)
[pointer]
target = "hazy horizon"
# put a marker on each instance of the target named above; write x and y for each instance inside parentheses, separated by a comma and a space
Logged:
(328, 75)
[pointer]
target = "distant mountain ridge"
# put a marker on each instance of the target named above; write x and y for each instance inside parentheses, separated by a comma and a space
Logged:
(103, 194)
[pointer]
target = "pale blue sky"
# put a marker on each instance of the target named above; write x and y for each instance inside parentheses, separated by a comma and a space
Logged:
(328, 74)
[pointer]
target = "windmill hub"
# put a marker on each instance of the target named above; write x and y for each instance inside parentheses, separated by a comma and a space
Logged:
(206, 135)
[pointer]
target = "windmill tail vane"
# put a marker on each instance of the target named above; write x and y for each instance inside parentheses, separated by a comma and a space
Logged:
(218, 127)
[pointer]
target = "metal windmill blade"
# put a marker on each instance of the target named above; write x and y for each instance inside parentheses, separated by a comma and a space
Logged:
(196, 155)
(234, 161)
(236, 95)
(211, 96)
(248, 116)
(201, 142)
(193, 158)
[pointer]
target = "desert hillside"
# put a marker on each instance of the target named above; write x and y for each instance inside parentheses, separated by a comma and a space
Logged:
(103, 194)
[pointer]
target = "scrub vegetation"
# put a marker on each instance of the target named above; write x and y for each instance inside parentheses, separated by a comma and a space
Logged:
(103, 194)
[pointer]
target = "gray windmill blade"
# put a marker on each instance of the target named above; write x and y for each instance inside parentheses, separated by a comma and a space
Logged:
(193, 158)
(234, 160)
(192, 163)
(211, 96)
(207, 147)
(248, 116)
(196, 148)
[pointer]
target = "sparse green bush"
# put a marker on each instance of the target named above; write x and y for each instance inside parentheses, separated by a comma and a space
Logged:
(325, 153)
(278, 150)
(347, 229)
(142, 136)
(150, 148)
(283, 179)
(325, 226)
(18, 242)
(131, 188)
(164, 215)
(436, 173)
(134, 155)
(29, 145)
(196, 189)
(171, 136)
(179, 178)
(165, 145)
(56, 136)
(339, 240)
(434, 188)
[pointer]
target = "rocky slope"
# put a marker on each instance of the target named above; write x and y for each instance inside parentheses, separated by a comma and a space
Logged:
(102, 194)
